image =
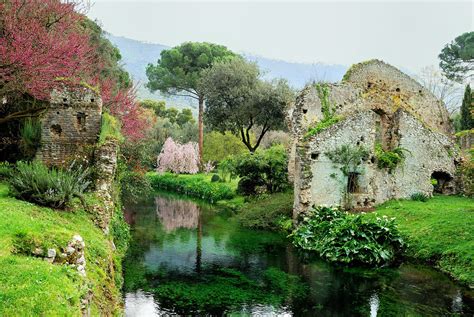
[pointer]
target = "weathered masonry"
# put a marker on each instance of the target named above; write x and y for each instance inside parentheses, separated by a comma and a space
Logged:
(376, 114)
(70, 125)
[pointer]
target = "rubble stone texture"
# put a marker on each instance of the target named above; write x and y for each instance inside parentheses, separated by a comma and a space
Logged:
(69, 125)
(377, 105)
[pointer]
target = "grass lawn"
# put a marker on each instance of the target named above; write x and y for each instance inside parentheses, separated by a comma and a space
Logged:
(30, 286)
(440, 231)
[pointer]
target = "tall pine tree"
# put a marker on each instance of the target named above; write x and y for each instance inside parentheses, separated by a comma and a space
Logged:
(467, 122)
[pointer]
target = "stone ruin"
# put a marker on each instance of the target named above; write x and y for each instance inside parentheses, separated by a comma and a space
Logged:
(70, 125)
(377, 106)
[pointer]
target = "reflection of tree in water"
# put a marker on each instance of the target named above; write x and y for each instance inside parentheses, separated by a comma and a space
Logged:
(175, 214)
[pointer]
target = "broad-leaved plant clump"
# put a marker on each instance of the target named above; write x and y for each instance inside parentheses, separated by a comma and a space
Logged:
(349, 239)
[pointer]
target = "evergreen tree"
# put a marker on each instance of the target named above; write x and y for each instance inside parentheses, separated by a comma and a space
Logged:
(467, 122)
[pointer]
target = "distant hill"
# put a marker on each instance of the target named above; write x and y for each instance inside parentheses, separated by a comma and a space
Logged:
(136, 55)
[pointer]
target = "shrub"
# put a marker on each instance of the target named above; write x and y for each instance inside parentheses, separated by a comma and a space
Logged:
(419, 197)
(134, 185)
(227, 170)
(349, 239)
(35, 182)
(389, 159)
(265, 170)
(178, 158)
(215, 178)
(195, 186)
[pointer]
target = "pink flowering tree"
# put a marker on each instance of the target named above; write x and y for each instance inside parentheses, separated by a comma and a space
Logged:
(178, 158)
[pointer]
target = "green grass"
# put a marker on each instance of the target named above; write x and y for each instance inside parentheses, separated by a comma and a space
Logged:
(440, 231)
(197, 185)
(30, 286)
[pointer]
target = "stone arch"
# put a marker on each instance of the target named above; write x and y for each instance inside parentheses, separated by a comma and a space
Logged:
(443, 182)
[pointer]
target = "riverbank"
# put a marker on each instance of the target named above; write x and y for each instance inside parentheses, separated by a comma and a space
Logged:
(199, 185)
(30, 285)
(439, 231)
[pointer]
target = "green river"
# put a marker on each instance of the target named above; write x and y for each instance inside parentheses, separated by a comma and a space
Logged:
(190, 258)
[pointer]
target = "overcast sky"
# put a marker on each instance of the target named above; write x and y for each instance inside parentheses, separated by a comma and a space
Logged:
(406, 34)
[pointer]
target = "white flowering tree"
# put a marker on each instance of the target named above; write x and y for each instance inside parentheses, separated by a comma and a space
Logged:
(178, 158)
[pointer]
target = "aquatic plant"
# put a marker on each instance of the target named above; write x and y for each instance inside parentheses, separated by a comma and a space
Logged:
(227, 289)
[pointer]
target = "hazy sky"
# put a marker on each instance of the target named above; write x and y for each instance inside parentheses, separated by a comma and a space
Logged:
(406, 34)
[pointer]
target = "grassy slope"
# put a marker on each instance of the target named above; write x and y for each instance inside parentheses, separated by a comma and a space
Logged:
(30, 286)
(440, 230)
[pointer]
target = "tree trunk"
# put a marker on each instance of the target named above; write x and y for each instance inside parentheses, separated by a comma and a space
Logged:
(201, 129)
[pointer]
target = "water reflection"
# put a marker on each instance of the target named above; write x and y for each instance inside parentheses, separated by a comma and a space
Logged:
(188, 249)
(174, 214)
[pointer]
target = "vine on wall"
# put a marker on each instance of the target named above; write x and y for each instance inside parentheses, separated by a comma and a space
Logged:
(328, 110)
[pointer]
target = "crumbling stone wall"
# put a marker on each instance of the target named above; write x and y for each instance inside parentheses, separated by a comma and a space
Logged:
(105, 166)
(376, 104)
(70, 125)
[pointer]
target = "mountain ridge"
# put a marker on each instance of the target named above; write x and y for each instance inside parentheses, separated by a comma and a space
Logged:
(136, 55)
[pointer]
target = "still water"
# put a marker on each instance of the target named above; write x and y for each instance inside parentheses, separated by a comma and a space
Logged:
(190, 258)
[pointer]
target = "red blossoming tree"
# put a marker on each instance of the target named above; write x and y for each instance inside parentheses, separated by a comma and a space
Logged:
(47, 44)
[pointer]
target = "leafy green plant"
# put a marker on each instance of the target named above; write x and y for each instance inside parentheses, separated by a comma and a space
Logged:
(389, 159)
(226, 170)
(349, 239)
(37, 183)
(419, 197)
(195, 186)
(261, 171)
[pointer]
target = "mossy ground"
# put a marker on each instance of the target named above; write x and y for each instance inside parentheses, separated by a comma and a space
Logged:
(439, 231)
(30, 286)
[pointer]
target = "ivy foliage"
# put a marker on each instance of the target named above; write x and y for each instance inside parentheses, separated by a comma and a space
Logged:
(389, 159)
(327, 109)
(349, 239)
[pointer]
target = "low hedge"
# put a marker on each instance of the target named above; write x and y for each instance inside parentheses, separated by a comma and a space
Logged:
(195, 186)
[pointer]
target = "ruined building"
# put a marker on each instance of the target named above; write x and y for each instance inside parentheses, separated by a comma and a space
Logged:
(70, 126)
(376, 135)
